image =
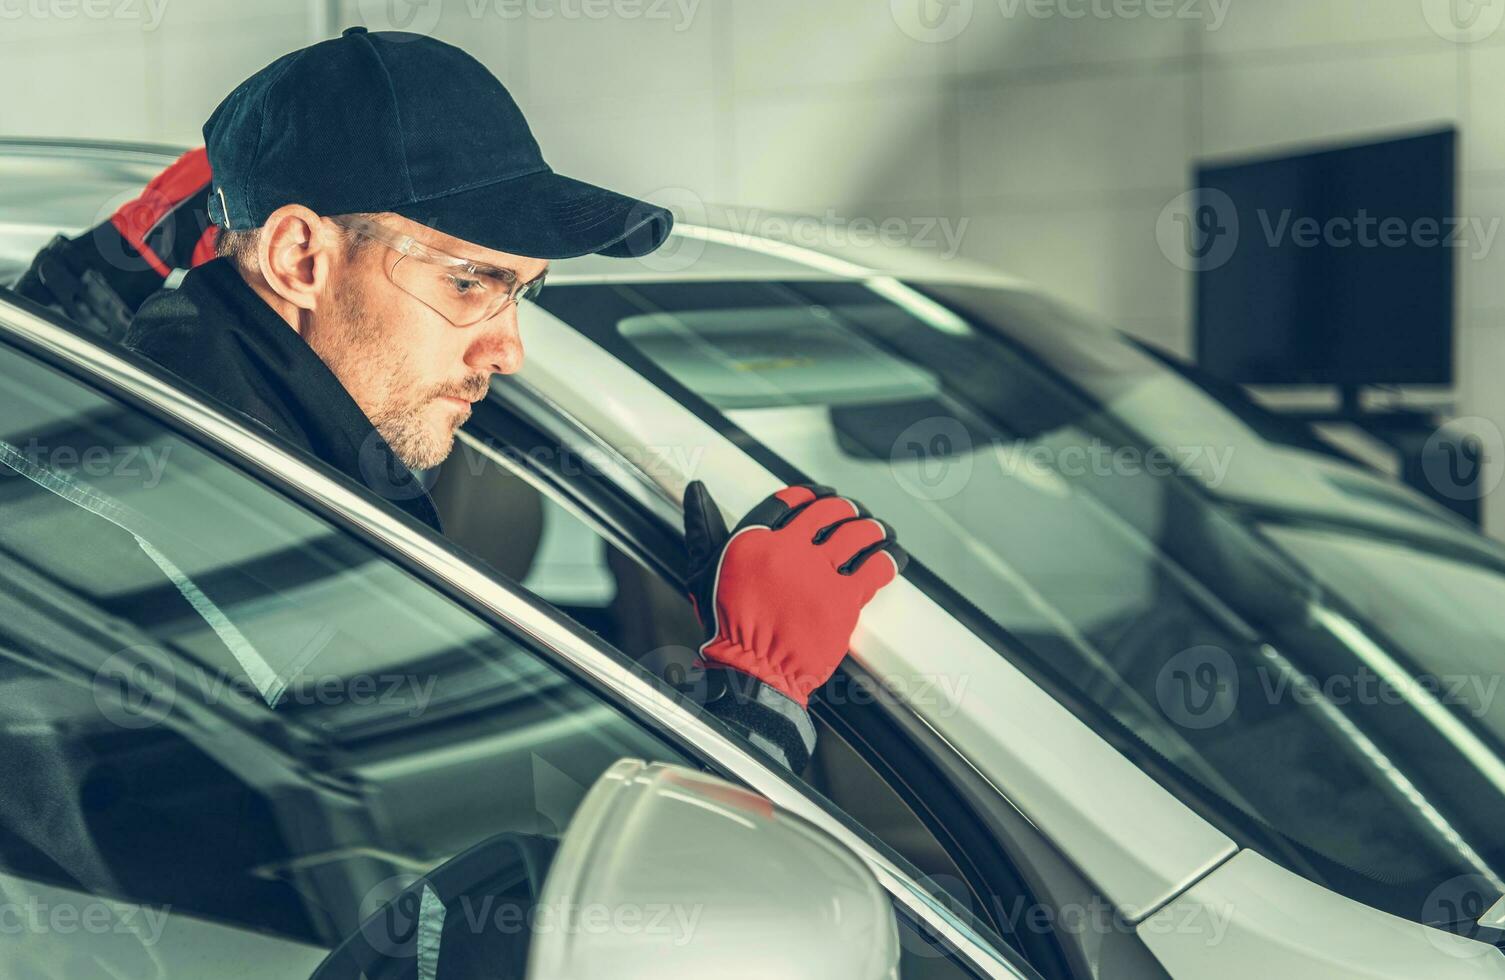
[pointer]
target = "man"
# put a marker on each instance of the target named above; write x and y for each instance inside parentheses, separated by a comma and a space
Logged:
(383, 207)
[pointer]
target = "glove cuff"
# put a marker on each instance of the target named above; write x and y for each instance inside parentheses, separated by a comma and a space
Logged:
(730, 654)
(762, 714)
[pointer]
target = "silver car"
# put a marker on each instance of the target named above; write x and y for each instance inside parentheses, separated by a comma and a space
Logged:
(1171, 688)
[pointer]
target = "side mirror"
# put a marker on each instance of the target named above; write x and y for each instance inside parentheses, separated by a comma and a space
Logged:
(662, 873)
(665, 872)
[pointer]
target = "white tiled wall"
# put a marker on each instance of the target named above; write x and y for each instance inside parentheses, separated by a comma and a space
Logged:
(1061, 137)
(144, 70)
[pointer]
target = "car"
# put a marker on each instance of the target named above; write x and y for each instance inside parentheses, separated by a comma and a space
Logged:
(1172, 686)
(246, 708)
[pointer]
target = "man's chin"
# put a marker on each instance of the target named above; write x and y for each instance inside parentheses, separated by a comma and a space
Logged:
(426, 451)
(434, 453)
(424, 438)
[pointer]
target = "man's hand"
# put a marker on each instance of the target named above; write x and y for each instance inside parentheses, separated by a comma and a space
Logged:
(780, 596)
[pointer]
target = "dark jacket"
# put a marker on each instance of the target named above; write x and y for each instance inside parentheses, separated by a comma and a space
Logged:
(214, 332)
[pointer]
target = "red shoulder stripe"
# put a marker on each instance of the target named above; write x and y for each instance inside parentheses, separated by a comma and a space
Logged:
(136, 219)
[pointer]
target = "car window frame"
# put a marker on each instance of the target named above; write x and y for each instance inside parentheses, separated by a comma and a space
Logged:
(641, 520)
(443, 566)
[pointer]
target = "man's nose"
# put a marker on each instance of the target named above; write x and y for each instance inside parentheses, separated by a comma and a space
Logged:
(498, 349)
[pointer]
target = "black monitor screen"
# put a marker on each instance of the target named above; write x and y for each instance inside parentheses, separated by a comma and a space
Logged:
(1341, 270)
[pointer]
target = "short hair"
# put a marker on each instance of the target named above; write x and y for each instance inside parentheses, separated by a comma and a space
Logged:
(240, 246)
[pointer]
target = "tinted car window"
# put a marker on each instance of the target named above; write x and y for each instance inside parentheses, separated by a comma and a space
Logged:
(548, 548)
(219, 704)
(231, 732)
(531, 537)
(1089, 513)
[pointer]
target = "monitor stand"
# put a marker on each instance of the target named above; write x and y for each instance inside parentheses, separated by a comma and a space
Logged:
(1351, 409)
(1351, 402)
(1408, 433)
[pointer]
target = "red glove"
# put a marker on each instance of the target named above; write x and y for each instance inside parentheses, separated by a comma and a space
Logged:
(780, 597)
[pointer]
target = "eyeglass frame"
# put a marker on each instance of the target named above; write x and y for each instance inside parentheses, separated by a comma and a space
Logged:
(409, 247)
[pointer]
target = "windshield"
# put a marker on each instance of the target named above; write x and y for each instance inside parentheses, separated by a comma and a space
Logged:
(1227, 600)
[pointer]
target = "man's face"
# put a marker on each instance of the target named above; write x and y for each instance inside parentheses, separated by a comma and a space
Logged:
(413, 372)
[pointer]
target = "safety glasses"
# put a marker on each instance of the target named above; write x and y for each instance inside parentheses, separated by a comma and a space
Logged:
(459, 290)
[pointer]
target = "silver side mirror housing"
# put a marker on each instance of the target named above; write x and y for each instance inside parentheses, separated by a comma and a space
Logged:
(665, 872)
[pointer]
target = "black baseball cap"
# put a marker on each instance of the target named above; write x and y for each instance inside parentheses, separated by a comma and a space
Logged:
(397, 122)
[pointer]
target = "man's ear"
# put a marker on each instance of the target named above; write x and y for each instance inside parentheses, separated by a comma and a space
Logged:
(296, 250)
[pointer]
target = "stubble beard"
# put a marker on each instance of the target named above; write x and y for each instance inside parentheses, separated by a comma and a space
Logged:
(399, 418)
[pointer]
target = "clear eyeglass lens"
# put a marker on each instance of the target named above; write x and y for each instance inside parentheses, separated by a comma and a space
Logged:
(530, 290)
(464, 299)
(460, 298)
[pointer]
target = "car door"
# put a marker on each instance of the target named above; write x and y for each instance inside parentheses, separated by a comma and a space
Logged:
(243, 702)
(726, 348)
